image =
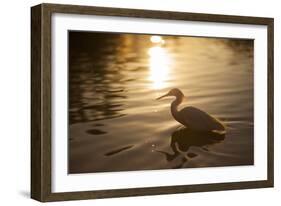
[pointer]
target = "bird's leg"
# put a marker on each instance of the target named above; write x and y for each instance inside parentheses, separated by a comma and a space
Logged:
(171, 157)
(175, 149)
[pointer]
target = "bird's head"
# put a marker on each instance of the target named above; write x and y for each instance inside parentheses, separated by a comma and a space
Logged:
(173, 92)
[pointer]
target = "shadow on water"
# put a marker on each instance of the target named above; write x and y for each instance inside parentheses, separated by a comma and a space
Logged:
(116, 151)
(96, 132)
(184, 138)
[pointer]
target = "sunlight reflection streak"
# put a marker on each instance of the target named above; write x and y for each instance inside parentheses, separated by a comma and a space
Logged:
(159, 64)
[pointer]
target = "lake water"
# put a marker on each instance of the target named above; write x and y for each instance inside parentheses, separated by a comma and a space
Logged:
(115, 123)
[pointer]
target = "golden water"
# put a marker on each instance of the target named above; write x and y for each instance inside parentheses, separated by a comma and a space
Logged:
(115, 123)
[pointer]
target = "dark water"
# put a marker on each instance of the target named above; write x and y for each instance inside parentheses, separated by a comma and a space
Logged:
(115, 123)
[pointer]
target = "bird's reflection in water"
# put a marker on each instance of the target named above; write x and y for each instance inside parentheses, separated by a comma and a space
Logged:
(183, 139)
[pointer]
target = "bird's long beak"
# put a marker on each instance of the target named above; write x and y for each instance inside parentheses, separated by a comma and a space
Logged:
(165, 95)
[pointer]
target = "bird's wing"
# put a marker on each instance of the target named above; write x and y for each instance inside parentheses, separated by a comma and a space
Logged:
(199, 120)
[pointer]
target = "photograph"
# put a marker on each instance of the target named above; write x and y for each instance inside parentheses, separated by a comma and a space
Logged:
(133, 102)
(158, 101)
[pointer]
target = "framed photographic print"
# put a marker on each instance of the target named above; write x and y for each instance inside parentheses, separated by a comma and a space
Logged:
(132, 102)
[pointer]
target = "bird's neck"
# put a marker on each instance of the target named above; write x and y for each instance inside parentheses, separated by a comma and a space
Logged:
(174, 107)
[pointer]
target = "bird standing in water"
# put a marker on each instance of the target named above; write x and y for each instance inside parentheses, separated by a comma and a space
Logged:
(191, 117)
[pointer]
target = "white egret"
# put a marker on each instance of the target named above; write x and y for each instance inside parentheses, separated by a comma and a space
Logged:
(191, 117)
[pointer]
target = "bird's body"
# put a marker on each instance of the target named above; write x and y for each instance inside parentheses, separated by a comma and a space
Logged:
(198, 120)
(191, 117)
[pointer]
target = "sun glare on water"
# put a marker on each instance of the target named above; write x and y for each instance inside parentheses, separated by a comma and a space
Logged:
(159, 64)
(157, 40)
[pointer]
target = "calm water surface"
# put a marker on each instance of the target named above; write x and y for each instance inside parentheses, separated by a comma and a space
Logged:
(115, 123)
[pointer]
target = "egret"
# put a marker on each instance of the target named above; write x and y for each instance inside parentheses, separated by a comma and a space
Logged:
(192, 117)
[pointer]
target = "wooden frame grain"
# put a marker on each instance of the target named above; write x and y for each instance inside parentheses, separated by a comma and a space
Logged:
(41, 101)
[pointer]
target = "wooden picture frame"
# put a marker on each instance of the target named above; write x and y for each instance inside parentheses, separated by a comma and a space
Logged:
(41, 116)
